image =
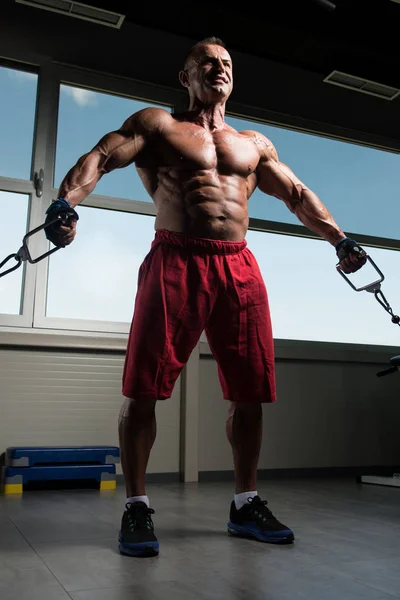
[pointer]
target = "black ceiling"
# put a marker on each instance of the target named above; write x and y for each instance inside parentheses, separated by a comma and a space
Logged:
(359, 36)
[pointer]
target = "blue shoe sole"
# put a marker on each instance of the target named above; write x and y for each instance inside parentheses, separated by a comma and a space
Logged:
(285, 536)
(145, 549)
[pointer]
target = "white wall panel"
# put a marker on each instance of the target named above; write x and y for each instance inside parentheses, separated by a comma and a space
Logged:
(73, 398)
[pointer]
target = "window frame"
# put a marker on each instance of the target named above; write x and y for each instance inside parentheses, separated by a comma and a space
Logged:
(26, 187)
(325, 130)
(111, 85)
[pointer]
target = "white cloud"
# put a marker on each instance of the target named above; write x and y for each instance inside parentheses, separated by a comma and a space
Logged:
(103, 285)
(80, 96)
(21, 76)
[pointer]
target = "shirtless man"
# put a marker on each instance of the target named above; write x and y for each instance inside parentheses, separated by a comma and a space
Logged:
(198, 275)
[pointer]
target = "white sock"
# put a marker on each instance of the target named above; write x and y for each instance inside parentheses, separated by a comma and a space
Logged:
(241, 499)
(138, 499)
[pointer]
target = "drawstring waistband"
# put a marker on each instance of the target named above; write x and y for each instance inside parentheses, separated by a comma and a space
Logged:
(197, 245)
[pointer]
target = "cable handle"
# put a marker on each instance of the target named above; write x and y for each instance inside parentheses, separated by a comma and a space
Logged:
(374, 287)
(24, 254)
(369, 287)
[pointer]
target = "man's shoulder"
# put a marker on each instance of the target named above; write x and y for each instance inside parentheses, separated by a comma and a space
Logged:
(149, 119)
(154, 113)
(264, 144)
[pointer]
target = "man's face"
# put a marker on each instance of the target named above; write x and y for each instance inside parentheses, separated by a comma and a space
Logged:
(209, 74)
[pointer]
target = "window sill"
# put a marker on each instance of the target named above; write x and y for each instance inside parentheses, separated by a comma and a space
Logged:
(62, 339)
(325, 351)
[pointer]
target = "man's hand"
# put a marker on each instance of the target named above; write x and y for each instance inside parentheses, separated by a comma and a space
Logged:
(351, 256)
(62, 232)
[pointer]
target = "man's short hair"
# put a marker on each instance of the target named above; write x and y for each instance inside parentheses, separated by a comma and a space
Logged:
(215, 41)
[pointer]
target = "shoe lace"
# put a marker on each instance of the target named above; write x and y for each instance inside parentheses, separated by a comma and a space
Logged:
(259, 508)
(139, 517)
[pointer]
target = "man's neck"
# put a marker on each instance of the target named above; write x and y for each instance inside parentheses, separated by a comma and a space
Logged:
(209, 116)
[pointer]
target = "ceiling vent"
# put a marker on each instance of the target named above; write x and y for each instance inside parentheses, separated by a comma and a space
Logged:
(359, 84)
(78, 10)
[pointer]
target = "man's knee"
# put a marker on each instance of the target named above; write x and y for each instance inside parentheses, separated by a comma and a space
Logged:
(247, 410)
(136, 409)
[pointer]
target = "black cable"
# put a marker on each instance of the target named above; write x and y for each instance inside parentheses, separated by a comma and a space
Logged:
(327, 4)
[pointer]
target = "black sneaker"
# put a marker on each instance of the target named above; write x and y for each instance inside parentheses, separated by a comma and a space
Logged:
(136, 537)
(255, 520)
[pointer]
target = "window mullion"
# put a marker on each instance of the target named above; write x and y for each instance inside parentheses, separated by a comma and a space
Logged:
(44, 153)
(302, 231)
(114, 203)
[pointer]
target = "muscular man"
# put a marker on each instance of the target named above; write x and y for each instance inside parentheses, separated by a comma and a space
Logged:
(198, 275)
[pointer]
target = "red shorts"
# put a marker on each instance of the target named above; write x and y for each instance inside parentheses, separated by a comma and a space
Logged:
(188, 285)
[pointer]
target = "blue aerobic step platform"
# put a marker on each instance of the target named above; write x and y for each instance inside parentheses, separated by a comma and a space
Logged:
(26, 465)
(16, 477)
(45, 456)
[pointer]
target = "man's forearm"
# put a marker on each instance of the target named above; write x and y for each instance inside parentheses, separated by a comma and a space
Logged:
(81, 180)
(314, 215)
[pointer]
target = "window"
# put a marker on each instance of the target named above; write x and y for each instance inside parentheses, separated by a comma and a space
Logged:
(14, 208)
(17, 126)
(95, 278)
(309, 300)
(91, 285)
(84, 118)
(17, 121)
(358, 185)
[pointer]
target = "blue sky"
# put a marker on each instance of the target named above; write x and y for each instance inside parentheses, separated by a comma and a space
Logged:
(357, 184)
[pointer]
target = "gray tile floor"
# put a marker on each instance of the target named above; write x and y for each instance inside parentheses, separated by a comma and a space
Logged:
(58, 545)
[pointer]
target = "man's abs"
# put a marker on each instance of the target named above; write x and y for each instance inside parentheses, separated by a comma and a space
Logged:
(204, 226)
(200, 203)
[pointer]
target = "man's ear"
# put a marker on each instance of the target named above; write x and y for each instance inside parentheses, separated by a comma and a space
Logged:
(184, 78)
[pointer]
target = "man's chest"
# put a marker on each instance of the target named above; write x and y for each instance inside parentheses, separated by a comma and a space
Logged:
(190, 147)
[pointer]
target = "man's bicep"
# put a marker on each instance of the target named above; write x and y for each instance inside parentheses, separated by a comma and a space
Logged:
(277, 179)
(119, 148)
